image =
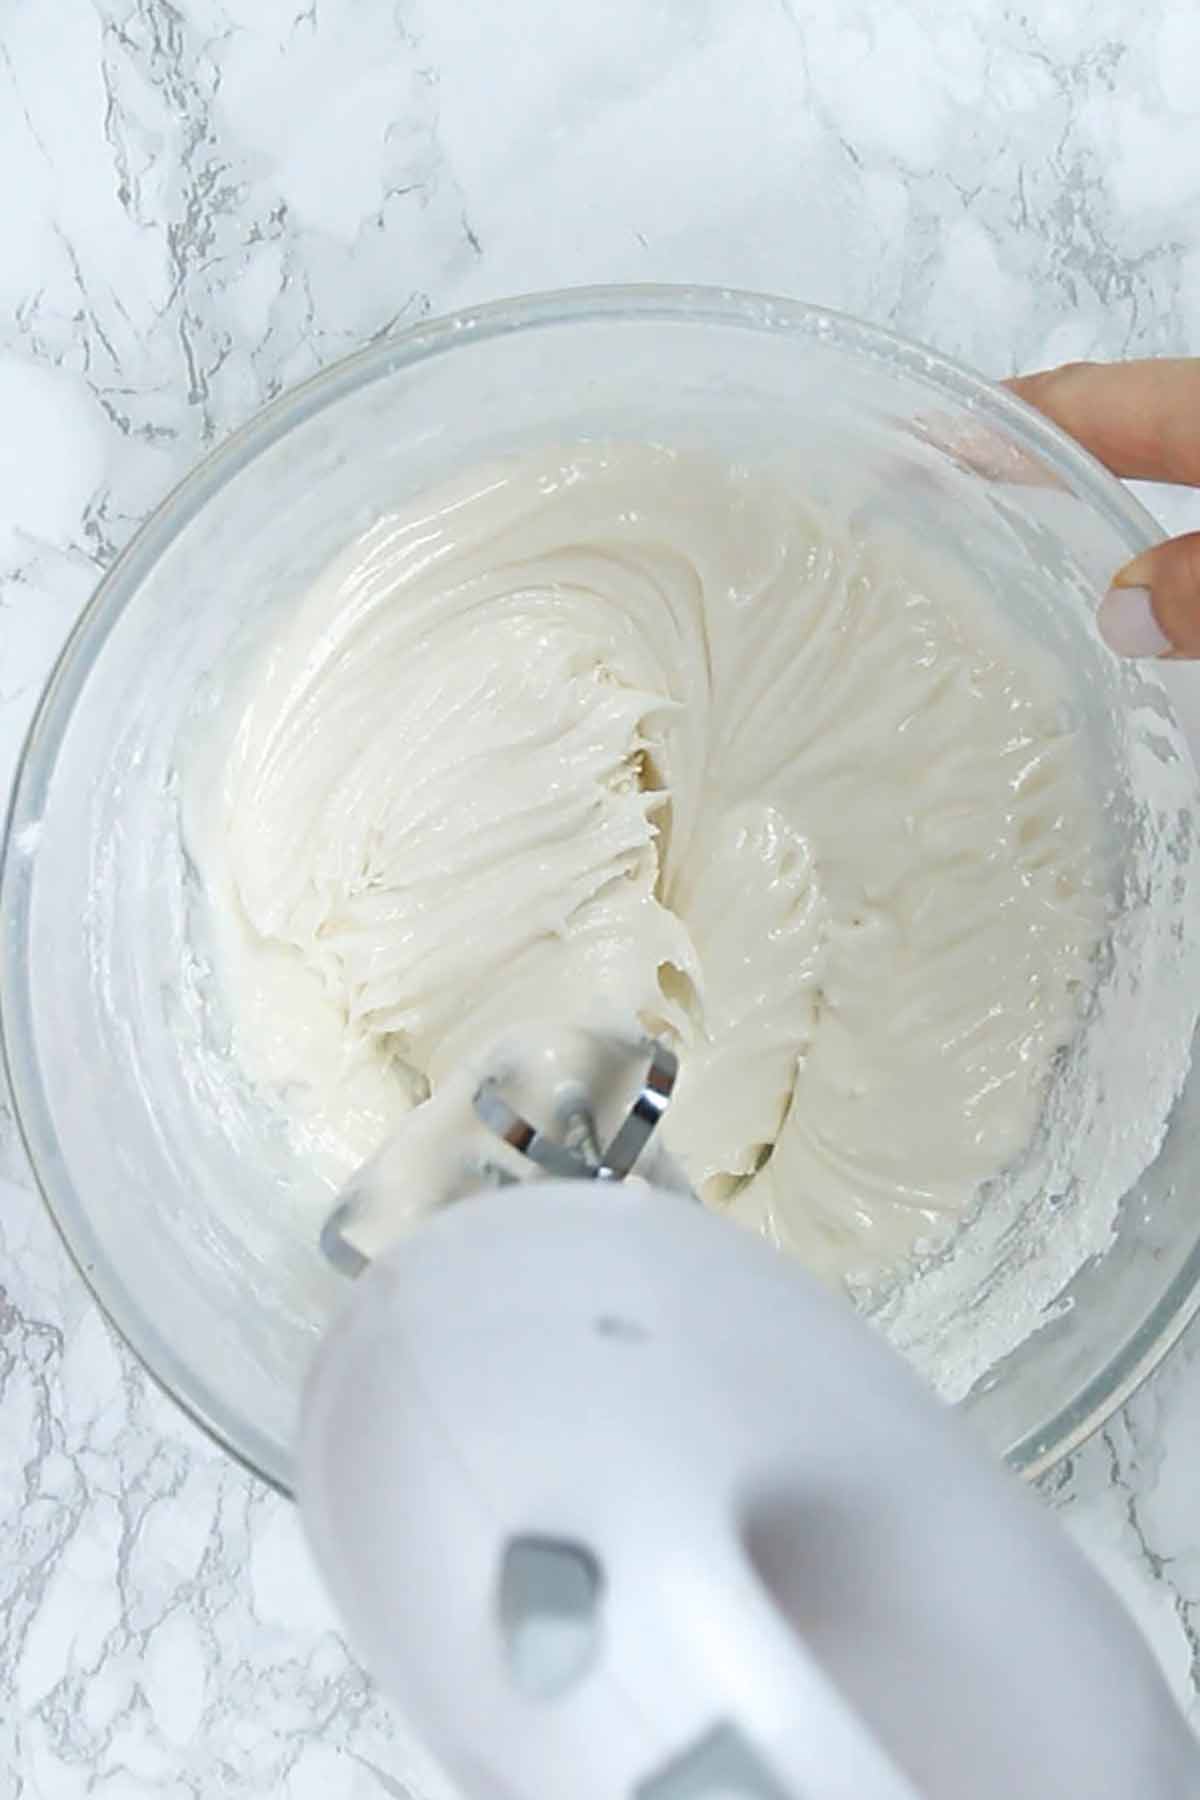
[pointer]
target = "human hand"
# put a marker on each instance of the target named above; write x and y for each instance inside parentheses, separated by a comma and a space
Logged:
(1142, 420)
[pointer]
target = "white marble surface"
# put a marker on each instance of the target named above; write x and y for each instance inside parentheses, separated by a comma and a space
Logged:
(203, 202)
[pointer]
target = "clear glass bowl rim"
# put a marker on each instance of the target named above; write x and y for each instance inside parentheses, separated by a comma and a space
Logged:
(668, 305)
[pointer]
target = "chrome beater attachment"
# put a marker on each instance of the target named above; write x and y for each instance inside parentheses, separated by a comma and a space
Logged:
(602, 1097)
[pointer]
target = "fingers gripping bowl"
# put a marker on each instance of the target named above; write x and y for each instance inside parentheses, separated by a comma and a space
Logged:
(181, 1193)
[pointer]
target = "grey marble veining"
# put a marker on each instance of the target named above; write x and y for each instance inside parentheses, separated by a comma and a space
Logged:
(202, 204)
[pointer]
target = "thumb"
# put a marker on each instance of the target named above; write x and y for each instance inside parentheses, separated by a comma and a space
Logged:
(1153, 606)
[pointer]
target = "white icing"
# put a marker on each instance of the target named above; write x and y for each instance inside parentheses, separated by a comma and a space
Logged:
(623, 733)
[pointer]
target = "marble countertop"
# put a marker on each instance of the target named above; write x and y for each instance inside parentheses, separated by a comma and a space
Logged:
(205, 201)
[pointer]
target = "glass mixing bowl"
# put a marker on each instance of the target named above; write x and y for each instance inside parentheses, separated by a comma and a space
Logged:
(186, 1212)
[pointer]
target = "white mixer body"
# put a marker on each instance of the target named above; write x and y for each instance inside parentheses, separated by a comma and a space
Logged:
(618, 1505)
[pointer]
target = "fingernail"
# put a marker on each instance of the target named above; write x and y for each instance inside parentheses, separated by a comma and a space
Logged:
(1128, 625)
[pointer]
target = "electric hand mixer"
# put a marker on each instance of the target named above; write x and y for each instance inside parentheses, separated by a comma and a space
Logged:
(621, 1506)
